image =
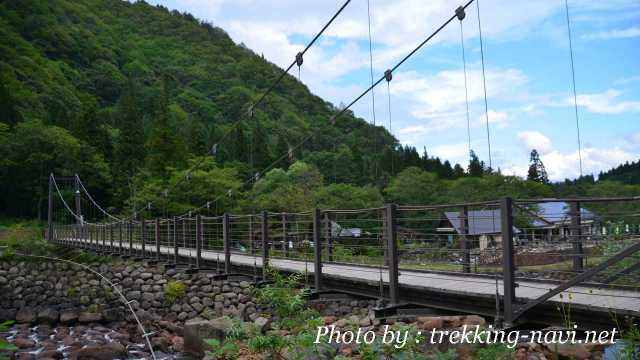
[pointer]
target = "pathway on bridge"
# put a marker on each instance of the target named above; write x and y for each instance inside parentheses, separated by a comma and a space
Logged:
(615, 299)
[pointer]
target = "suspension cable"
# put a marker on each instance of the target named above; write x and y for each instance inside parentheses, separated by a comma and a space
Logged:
(235, 124)
(484, 85)
(390, 129)
(94, 202)
(573, 78)
(332, 120)
(461, 16)
(373, 96)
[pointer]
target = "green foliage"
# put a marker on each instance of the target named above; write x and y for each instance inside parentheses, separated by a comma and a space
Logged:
(227, 351)
(72, 292)
(23, 238)
(283, 295)
(450, 354)
(4, 344)
(174, 290)
(494, 352)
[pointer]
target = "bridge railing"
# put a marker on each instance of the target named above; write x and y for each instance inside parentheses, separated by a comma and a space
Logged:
(568, 240)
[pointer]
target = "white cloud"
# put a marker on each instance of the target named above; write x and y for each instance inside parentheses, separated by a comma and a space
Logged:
(439, 100)
(459, 152)
(535, 140)
(566, 165)
(500, 118)
(631, 32)
(605, 103)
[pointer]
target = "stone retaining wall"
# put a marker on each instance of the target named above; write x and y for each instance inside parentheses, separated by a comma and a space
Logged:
(51, 292)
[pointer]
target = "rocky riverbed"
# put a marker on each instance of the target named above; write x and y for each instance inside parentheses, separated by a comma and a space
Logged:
(93, 341)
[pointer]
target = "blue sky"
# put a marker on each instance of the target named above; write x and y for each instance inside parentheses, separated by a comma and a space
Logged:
(528, 72)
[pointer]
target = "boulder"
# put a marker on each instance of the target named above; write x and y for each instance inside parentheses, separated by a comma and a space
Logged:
(195, 332)
(90, 317)
(26, 315)
(112, 350)
(571, 351)
(24, 343)
(68, 317)
(262, 323)
(48, 315)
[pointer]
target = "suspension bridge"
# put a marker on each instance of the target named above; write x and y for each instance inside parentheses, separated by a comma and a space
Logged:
(517, 260)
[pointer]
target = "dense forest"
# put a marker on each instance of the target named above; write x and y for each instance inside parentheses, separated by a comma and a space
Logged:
(132, 97)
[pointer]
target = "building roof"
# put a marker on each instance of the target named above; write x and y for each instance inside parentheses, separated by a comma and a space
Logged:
(480, 221)
(556, 212)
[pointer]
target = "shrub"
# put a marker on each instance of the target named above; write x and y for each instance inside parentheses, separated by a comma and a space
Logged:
(174, 290)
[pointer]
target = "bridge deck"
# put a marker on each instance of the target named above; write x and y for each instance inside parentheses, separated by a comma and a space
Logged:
(621, 301)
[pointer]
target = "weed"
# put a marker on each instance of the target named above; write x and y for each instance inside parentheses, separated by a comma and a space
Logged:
(174, 290)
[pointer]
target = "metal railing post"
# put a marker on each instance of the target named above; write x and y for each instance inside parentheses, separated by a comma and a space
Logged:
(175, 240)
(464, 244)
(508, 268)
(265, 244)
(285, 243)
(198, 241)
(327, 236)
(392, 253)
(120, 237)
(226, 243)
(110, 237)
(576, 238)
(143, 232)
(130, 236)
(157, 238)
(252, 247)
(50, 210)
(317, 246)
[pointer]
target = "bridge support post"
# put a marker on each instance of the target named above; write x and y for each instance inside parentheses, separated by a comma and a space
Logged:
(198, 241)
(265, 244)
(143, 234)
(317, 247)
(508, 278)
(392, 253)
(120, 237)
(110, 237)
(464, 245)
(285, 242)
(252, 245)
(327, 235)
(50, 210)
(130, 237)
(157, 238)
(175, 241)
(226, 242)
(576, 236)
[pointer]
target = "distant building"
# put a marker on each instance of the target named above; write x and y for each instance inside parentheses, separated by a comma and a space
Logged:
(551, 221)
(485, 228)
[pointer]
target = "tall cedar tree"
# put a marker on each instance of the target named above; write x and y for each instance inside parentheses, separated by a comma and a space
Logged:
(165, 148)
(129, 150)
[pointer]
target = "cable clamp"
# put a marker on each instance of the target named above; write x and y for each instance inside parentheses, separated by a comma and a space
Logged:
(299, 59)
(387, 75)
(460, 13)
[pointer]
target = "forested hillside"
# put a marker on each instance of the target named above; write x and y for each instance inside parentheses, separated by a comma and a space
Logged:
(132, 97)
(627, 173)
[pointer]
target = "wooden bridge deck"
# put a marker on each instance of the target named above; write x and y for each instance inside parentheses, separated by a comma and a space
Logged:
(618, 301)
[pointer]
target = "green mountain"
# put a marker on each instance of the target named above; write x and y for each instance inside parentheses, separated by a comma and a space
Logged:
(130, 87)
